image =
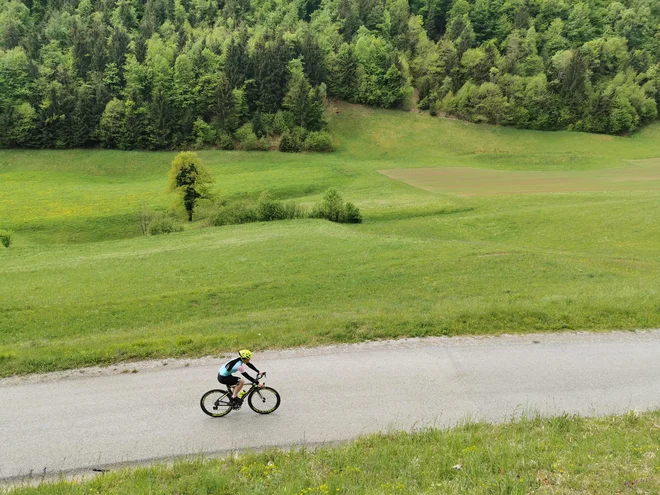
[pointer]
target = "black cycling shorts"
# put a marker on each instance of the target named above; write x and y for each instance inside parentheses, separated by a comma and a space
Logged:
(230, 380)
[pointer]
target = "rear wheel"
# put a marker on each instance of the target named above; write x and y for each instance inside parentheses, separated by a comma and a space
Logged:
(216, 403)
(264, 400)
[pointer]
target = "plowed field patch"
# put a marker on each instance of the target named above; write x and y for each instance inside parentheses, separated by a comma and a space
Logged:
(642, 175)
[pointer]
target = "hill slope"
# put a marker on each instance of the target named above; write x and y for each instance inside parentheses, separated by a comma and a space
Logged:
(422, 263)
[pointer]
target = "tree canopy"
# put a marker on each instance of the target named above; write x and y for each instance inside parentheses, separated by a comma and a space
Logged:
(160, 74)
(190, 179)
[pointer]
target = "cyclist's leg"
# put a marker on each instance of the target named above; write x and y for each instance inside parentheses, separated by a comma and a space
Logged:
(230, 382)
(238, 387)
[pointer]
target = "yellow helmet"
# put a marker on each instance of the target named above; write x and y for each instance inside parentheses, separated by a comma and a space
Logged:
(245, 355)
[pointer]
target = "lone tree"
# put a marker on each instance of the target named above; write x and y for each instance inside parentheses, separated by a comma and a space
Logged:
(190, 179)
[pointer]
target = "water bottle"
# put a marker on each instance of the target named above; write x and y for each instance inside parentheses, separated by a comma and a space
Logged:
(242, 394)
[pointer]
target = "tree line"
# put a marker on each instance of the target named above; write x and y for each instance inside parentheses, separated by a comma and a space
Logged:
(172, 73)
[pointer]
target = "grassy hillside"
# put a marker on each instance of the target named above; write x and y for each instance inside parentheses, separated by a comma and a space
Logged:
(82, 286)
(557, 455)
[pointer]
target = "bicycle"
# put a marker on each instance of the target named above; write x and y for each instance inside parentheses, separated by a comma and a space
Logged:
(262, 400)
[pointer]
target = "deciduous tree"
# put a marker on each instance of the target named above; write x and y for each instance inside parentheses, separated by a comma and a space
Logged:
(190, 180)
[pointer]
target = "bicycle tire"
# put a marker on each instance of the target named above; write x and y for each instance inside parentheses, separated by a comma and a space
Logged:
(218, 407)
(254, 405)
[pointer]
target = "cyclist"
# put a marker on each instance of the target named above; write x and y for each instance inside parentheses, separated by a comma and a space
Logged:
(225, 374)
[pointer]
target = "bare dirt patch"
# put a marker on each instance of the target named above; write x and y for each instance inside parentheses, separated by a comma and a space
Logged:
(642, 175)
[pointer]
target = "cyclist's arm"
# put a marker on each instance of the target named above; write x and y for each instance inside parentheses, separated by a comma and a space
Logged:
(249, 378)
(252, 367)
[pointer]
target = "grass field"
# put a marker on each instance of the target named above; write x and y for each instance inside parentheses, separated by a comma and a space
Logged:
(81, 286)
(565, 455)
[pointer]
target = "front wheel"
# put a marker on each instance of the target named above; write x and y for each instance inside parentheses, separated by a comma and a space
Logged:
(264, 400)
(216, 403)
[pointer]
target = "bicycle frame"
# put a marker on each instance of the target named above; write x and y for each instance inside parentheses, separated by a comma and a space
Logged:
(222, 405)
(230, 390)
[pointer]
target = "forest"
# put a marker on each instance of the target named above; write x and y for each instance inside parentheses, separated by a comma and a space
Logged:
(166, 74)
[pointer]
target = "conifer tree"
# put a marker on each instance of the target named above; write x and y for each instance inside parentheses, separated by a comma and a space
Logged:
(298, 89)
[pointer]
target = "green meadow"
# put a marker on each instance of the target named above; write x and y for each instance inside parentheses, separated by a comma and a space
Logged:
(81, 285)
(561, 455)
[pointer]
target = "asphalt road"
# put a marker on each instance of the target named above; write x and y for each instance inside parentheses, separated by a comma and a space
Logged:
(73, 425)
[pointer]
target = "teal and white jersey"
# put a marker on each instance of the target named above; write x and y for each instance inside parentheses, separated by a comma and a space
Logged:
(231, 367)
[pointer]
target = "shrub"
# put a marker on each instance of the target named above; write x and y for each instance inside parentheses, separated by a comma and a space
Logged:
(248, 140)
(163, 223)
(5, 238)
(226, 141)
(269, 209)
(145, 217)
(351, 214)
(246, 211)
(235, 213)
(262, 124)
(447, 104)
(289, 120)
(279, 123)
(333, 208)
(203, 133)
(268, 119)
(319, 141)
(112, 126)
(290, 143)
(434, 107)
(293, 211)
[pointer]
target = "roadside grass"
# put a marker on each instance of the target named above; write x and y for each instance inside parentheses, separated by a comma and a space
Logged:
(81, 286)
(564, 454)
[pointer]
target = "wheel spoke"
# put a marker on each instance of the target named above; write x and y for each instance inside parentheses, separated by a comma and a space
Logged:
(264, 400)
(214, 403)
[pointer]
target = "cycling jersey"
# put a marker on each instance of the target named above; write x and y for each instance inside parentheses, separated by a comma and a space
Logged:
(236, 365)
